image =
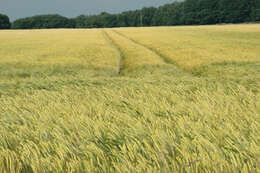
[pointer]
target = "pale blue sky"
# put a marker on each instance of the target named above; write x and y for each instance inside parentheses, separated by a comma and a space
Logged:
(71, 8)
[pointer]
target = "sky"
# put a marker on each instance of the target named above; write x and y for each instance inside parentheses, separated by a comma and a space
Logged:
(71, 8)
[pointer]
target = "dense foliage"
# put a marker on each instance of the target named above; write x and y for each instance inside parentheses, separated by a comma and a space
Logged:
(43, 21)
(4, 22)
(188, 12)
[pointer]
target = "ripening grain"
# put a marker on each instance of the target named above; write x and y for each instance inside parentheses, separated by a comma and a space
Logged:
(193, 46)
(47, 50)
(97, 101)
(134, 55)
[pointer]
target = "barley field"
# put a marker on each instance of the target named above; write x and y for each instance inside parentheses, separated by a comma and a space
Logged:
(159, 99)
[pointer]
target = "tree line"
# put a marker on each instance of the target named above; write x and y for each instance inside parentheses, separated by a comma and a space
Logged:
(4, 22)
(187, 12)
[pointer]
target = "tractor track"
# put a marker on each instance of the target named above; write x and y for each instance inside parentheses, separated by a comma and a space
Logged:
(117, 49)
(121, 55)
(164, 58)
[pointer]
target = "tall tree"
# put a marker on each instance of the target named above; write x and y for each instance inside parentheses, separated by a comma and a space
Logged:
(234, 11)
(43, 21)
(4, 22)
(207, 11)
(255, 10)
(191, 8)
(146, 16)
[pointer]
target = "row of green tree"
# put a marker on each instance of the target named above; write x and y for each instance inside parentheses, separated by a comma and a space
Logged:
(187, 12)
(4, 22)
(43, 21)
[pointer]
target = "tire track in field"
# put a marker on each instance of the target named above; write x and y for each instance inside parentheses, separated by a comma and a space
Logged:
(133, 55)
(117, 49)
(163, 57)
